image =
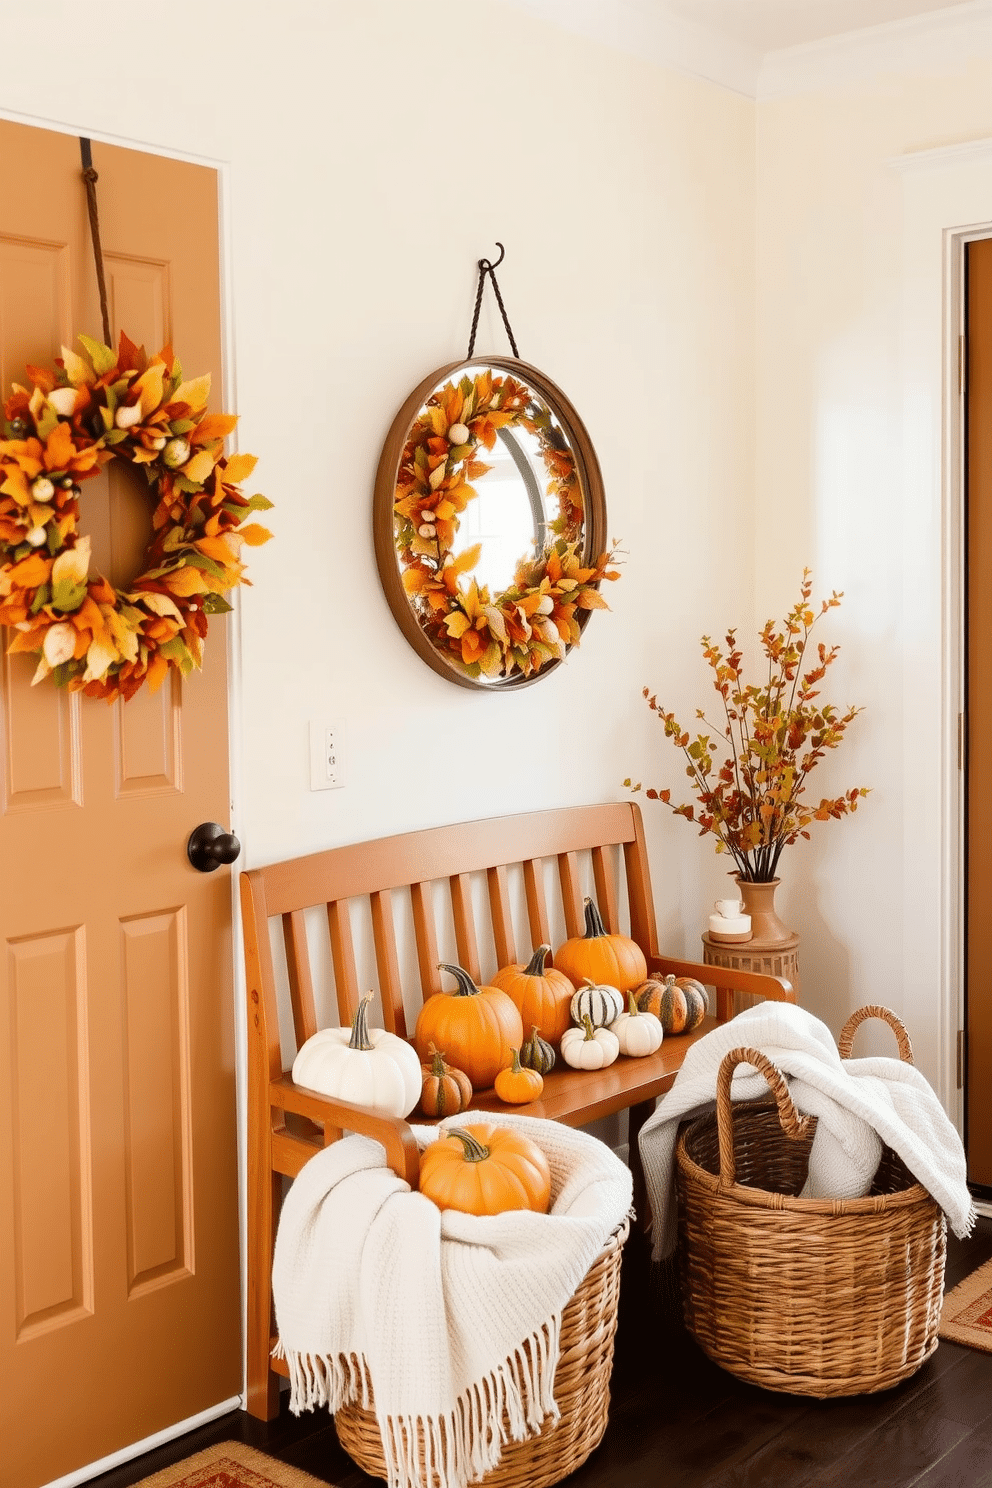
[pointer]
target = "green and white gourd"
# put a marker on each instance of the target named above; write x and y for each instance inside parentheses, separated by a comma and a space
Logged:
(597, 1001)
(367, 1066)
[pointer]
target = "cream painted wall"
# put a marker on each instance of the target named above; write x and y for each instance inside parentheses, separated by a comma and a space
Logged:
(372, 154)
(850, 480)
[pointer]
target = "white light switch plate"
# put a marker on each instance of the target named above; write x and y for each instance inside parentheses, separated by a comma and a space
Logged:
(327, 755)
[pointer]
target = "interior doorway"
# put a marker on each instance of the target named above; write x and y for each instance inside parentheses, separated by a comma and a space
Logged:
(978, 711)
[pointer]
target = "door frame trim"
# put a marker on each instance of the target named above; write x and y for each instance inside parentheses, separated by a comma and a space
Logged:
(946, 195)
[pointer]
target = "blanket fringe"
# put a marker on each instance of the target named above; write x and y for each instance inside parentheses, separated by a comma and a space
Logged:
(510, 1403)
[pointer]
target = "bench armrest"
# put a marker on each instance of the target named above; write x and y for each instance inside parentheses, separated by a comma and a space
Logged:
(395, 1134)
(724, 978)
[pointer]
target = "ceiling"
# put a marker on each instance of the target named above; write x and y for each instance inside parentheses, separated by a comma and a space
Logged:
(770, 25)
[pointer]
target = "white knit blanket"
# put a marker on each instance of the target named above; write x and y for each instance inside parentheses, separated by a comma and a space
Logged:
(859, 1103)
(450, 1317)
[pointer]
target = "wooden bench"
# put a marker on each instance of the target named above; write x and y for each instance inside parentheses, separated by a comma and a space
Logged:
(403, 904)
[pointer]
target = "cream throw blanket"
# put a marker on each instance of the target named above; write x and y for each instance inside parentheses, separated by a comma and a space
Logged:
(859, 1103)
(450, 1317)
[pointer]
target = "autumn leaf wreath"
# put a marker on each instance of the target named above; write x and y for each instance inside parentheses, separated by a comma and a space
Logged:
(93, 408)
(536, 619)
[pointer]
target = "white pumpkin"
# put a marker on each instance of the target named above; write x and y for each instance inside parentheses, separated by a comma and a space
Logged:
(638, 1034)
(588, 1047)
(367, 1066)
(597, 1001)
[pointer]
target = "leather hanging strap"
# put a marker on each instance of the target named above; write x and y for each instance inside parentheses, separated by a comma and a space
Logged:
(91, 177)
(485, 267)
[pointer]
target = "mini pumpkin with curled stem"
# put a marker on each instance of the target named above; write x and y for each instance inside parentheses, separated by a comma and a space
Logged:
(446, 1090)
(485, 1169)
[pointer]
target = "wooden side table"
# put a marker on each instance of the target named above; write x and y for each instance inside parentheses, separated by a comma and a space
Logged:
(779, 958)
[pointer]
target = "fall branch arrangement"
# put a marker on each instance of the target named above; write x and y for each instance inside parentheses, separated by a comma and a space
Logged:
(749, 771)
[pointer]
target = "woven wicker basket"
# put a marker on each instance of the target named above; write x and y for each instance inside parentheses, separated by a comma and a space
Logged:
(581, 1390)
(810, 1296)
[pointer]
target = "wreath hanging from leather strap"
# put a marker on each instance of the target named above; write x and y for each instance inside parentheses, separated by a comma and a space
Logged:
(90, 409)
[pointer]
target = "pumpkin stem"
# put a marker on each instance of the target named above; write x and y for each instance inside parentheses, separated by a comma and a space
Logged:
(632, 1007)
(360, 1027)
(515, 1067)
(466, 986)
(535, 966)
(594, 920)
(438, 1067)
(474, 1150)
(587, 1025)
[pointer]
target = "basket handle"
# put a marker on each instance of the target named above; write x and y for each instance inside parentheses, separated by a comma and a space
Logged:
(793, 1124)
(845, 1042)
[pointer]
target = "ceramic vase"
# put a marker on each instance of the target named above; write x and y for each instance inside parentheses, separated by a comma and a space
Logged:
(759, 902)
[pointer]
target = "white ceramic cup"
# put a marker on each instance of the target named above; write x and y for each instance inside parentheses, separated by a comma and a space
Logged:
(728, 908)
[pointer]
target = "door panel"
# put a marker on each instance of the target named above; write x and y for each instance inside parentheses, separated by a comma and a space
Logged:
(978, 1043)
(119, 1274)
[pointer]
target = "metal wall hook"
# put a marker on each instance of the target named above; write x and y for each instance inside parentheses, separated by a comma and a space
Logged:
(488, 267)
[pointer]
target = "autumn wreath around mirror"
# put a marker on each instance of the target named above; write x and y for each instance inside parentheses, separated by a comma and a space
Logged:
(490, 523)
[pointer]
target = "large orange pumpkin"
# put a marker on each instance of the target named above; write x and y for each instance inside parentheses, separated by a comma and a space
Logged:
(599, 957)
(542, 995)
(477, 1027)
(485, 1170)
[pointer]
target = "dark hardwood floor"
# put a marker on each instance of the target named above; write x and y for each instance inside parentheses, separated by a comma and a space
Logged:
(679, 1421)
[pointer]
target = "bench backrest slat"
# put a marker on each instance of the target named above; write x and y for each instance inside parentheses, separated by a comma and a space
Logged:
(466, 940)
(571, 893)
(504, 940)
(425, 932)
(605, 883)
(482, 867)
(300, 978)
(387, 964)
(537, 905)
(349, 994)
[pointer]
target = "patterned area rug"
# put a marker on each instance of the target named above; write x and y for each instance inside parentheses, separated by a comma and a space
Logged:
(967, 1315)
(230, 1465)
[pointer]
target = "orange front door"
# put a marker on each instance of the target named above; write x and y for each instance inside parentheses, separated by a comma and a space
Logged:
(119, 1273)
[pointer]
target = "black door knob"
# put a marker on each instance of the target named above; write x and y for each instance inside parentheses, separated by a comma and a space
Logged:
(209, 846)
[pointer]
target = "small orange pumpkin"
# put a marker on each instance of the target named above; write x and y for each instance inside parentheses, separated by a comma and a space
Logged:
(518, 1085)
(679, 1003)
(485, 1170)
(475, 1026)
(600, 957)
(542, 994)
(446, 1090)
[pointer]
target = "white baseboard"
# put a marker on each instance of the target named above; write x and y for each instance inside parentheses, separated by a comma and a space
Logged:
(138, 1449)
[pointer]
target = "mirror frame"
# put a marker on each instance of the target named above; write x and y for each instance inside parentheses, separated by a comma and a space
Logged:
(590, 481)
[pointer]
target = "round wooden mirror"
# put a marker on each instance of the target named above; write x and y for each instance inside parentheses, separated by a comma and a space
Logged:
(490, 523)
